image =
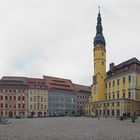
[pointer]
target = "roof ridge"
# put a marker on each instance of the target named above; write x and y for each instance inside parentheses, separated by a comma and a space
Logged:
(129, 60)
(57, 77)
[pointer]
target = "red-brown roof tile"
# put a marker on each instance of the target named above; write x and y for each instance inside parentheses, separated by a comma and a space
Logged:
(59, 84)
(36, 83)
(129, 65)
(13, 79)
(82, 88)
(13, 82)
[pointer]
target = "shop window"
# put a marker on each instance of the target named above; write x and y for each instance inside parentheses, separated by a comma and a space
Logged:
(1, 105)
(6, 105)
(18, 105)
(23, 98)
(118, 82)
(129, 79)
(6, 97)
(1, 97)
(123, 94)
(14, 97)
(118, 95)
(23, 106)
(109, 84)
(113, 83)
(129, 94)
(123, 80)
(113, 96)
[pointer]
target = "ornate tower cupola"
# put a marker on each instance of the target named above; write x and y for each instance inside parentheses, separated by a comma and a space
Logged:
(99, 38)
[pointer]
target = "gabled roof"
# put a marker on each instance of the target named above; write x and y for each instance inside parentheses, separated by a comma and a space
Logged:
(13, 80)
(129, 65)
(128, 62)
(59, 84)
(35, 81)
(82, 88)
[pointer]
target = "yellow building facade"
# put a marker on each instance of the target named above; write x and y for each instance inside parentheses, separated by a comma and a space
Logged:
(38, 102)
(37, 98)
(116, 92)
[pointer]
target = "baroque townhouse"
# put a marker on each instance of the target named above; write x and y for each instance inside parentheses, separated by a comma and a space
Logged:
(37, 97)
(41, 97)
(83, 95)
(13, 97)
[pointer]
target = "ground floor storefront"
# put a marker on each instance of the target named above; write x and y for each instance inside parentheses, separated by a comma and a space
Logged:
(13, 113)
(113, 108)
(22, 113)
(37, 113)
(62, 112)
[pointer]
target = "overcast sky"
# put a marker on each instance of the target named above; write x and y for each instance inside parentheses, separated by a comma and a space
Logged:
(55, 37)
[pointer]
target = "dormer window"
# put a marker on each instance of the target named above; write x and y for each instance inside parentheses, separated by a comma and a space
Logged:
(126, 68)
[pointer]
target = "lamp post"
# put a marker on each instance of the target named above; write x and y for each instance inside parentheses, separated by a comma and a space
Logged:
(134, 111)
(38, 105)
(98, 107)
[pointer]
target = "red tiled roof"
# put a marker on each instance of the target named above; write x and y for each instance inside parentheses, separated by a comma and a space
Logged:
(59, 84)
(13, 80)
(82, 88)
(36, 83)
(51, 83)
(129, 65)
(128, 62)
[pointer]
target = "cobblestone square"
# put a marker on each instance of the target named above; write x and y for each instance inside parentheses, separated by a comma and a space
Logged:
(70, 128)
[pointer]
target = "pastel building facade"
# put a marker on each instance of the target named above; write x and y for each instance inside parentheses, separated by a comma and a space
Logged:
(40, 97)
(37, 97)
(61, 96)
(13, 97)
(123, 88)
(83, 95)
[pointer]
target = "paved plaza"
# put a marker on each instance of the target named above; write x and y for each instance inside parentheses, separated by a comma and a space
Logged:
(70, 128)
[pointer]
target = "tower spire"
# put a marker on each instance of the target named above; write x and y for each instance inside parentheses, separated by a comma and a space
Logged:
(99, 60)
(99, 9)
(99, 38)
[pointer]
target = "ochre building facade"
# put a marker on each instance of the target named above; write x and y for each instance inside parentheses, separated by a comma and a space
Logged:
(116, 92)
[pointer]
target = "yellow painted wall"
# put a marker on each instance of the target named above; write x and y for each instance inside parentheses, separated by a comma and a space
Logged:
(98, 90)
(42, 94)
(128, 86)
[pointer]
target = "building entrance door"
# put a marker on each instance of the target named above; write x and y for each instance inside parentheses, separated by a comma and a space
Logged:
(10, 114)
(40, 114)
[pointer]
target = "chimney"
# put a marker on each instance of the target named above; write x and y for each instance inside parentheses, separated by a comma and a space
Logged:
(111, 66)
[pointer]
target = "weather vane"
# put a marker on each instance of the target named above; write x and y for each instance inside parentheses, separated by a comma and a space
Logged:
(99, 9)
